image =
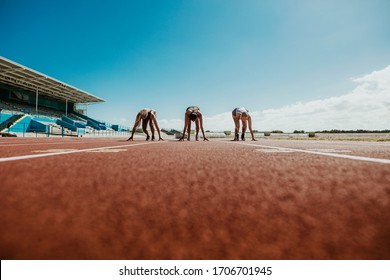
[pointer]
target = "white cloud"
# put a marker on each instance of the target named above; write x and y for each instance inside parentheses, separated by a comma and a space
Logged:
(366, 107)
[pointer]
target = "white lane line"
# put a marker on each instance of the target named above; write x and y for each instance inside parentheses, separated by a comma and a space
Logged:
(70, 152)
(44, 143)
(53, 151)
(377, 160)
(330, 151)
(109, 151)
(34, 144)
(273, 151)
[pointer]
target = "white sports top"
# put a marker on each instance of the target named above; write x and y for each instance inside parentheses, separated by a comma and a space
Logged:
(240, 110)
(145, 111)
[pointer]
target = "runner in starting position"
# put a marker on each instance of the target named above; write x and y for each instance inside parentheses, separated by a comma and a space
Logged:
(147, 116)
(193, 114)
(243, 115)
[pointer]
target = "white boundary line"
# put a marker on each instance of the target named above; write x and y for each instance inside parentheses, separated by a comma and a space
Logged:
(70, 152)
(377, 160)
(41, 143)
(65, 141)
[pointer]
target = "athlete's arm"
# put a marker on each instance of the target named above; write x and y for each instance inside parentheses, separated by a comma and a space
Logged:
(136, 123)
(154, 119)
(201, 127)
(250, 128)
(186, 120)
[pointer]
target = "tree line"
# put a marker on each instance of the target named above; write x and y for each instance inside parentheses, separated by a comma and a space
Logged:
(347, 131)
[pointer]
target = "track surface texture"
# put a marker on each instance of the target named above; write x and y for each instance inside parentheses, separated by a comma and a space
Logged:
(269, 199)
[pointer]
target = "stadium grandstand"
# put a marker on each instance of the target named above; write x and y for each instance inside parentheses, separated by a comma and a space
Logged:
(32, 102)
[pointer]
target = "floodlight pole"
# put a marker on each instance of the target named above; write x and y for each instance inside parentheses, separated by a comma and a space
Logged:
(66, 107)
(36, 102)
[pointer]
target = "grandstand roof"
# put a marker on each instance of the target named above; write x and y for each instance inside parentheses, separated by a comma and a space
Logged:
(14, 74)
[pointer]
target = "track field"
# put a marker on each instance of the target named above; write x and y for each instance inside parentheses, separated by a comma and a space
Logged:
(107, 198)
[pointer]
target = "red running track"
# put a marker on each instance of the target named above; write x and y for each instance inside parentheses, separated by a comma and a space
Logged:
(270, 199)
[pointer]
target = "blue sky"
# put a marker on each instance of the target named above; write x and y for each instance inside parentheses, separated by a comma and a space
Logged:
(216, 54)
